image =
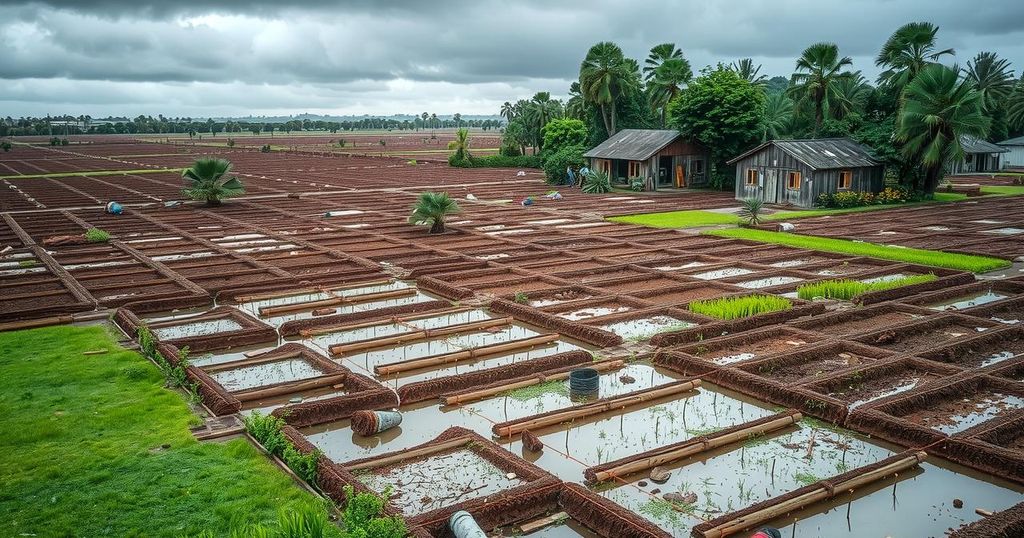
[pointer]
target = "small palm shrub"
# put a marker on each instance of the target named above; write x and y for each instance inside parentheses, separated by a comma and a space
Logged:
(750, 212)
(265, 148)
(6, 146)
(728, 308)
(636, 184)
(432, 208)
(231, 142)
(209, 180)
(96, 235)
(597, 183)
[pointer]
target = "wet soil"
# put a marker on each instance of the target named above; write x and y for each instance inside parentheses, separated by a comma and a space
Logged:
(814, 367)
(910, 340)
(955, 415)
(752, 350)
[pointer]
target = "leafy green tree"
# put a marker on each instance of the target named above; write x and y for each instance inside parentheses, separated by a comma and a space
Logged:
(907, 52)
(555, 163)
(564, 132)
(516, 137)
(209, 180)
(460, 146)
(938, 110)
(604, 75)
(815, 82)
(721, 111)
(432, 208)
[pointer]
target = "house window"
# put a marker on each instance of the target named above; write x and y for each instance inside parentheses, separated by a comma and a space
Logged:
(751, 176)
(845, 179)
(698, 167)
(793, 181)
(634, 168)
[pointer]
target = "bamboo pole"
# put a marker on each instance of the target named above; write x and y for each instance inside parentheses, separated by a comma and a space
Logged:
(331, 380)
(268, 311)
(741, 523)
(381, 321)
(696, 448)
(31, 323)
(535, 380)
(410, 454)
(414, 364)
(357, 285)
(421, 334)
(303, 291)
(593, 409)
(189, 321)
(262, 358)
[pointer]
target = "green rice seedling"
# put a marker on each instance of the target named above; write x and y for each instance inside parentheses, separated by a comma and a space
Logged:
(96, 235)
(729, 308)
(846, 289)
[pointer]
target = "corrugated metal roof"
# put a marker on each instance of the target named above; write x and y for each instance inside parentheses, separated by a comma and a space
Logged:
(1019, 141)
(821, 153)
(977, 145)
(633, 144)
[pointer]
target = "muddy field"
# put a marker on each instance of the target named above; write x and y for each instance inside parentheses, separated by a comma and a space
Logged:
(313, 298)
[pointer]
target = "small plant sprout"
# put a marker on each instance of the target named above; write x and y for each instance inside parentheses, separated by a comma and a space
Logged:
(96, 235)
(740, 307)
(845, 289)
(522, 297)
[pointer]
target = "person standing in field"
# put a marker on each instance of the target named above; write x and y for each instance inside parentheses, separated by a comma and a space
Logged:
(584, 172)
(570, 176)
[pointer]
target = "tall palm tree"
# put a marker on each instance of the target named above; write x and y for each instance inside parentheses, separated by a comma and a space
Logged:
(1015, 105)
(851, 95)
(669, 79)
(604, 74)
(574, 107)
(433, 120)
(907, 52)
(993, 78)
(432, 208)
(659, 54)
(746, 69)
(815, 81)
(460, 146)
(778, 116)
(939, 108)
(208, 179)
(507, 111)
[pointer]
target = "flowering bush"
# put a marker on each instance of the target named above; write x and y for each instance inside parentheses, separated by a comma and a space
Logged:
(844, 199)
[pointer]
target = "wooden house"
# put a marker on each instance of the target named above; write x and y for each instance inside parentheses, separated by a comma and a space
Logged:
(1014, 157)
(798, 171)
(663, 158)
(979, 156)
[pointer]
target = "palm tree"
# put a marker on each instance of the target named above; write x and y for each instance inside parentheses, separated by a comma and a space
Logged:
(747, 71)
(938, 110)
(1015, 105)
(907, 52)
(851, 95)
(460, 145)
(433, 120)
(207, 179)
(660, 54)
(574, 107)
(993, 78)
(604, 74)
(778, 116)
(432, 208)
(507, 111)
(818, 70)
(669, 79)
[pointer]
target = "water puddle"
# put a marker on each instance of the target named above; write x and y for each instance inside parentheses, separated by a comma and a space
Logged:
(259, 375)
(957, 414)
(967, 301)
(1004, 231)
(722, 273)
(689, 265)
(642, 329)
(198, 328)
(769, 281)
(593, 312)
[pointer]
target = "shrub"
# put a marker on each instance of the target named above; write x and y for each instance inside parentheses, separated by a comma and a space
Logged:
(521, 297)
(266, 429)
(231, 142)
(728, 308)
(64, 141)
(265, 148)
(847, 199)
(555, 163)
(846, 289)
(497, 161)
(55, 141)
(637, 184)
(750, 212)
(96, 235)
(341, 142)
(432, 208)
(209, 180)
(597, 183)
(6, 146)
(363, 517)
(890, 195)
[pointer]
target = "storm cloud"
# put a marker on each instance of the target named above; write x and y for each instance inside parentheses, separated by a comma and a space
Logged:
(261, 57)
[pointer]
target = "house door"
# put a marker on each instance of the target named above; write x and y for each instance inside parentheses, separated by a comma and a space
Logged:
(665, 172)
(770, 193)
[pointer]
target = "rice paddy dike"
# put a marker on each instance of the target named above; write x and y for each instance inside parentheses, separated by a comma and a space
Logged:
(739, 382)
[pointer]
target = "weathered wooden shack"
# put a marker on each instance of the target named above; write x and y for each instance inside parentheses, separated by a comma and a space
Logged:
(979, 156)
(798, 171)
(663, 158)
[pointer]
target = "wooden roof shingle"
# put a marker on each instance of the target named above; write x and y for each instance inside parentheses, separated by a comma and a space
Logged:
(633, 144)
(821, 153)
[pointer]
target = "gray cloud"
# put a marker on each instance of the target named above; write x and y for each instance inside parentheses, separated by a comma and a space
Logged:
(258, 55)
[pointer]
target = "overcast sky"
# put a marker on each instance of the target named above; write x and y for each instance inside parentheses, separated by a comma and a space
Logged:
(235, 58)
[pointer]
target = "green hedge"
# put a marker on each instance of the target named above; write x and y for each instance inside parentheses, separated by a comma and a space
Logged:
(497, 161)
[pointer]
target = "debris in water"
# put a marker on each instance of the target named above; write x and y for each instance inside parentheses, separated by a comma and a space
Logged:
(659, 475)
(957, 503)
(627, 379)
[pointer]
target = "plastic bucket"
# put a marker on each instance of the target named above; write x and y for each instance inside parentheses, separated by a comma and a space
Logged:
(464, 526)
(584, 381)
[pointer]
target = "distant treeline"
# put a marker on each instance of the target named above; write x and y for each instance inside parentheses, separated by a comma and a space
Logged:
(75, 125)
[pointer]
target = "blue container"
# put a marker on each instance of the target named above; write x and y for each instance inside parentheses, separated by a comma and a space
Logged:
(584, 381)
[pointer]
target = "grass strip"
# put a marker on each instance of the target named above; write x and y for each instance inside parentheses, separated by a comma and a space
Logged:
(934, 258)
(728, 308)
(678, 219)
(846, 289)
(94, 445)
(94, 173)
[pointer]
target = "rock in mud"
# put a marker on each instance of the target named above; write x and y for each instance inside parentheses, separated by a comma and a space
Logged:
(532, 442)
(324, 311)
(627, 379)
(682, 498)
(957, 503)
(642, 483)
(660, 475)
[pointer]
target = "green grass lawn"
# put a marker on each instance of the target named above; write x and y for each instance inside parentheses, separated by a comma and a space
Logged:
(82, 448)
(933, 258)
(1004, 190)
(678, 219)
